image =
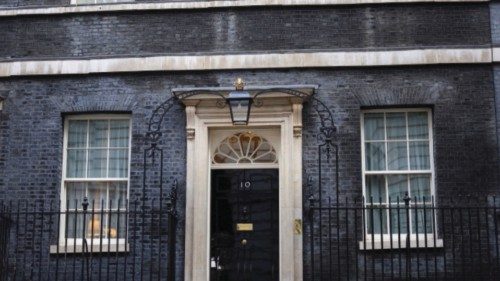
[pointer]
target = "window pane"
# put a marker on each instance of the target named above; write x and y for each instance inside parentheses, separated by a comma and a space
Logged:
(77, 133)
(396, 126)
(423, 221)
(117, 227)
(119, 133)
(75, 166)
(118, 163)
(399, 219)
(398, 187)
(97, 192)
(118, 194)
(397, 158)
(374, 126)
(234, 145)
(420, 187)
(98, 133)
(94, 225)
(75, 192)
(375, 189)
(97, 163)
(376, 220)
(74, 225)
(375, 156)
(418, 125)
(419, 155)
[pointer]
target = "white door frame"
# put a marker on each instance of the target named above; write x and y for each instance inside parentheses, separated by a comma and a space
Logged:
(280, 112)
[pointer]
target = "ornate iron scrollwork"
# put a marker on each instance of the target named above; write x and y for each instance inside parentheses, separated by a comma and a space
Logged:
(156, 119)
(325, 137)
(291, 92)
(154, 127)
(326, 143)
(326, 129)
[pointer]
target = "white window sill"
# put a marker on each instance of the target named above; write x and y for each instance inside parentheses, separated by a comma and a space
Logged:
(103, 2)
(78, 249)
(396, 244)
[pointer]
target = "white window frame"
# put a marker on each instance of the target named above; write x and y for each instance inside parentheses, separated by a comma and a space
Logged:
(103, 2)
(383, 241)
(68, 244)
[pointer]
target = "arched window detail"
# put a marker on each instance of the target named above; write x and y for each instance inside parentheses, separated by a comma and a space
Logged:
(245, 148)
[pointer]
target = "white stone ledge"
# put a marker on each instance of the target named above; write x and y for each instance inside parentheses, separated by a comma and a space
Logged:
(396, 244)
(94, 249)
(247, 61)
(496, 54)
(198, 5)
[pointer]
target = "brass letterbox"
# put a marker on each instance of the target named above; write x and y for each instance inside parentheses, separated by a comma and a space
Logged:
(244, 227)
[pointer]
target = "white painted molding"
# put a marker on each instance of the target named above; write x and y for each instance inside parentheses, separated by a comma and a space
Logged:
(95, 248)
(275, 121)
(197, 5)
(496, 54)
(247, 61)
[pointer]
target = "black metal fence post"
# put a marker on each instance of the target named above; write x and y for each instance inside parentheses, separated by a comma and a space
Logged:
(5, 223)
(407, 200)
(85, 262)
(172, 226)
(311, 234)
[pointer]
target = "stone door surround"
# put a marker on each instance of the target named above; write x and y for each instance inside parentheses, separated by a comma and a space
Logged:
(278, 112)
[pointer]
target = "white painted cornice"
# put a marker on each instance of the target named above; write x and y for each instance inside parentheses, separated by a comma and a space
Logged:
(249, 61)
(182, 5)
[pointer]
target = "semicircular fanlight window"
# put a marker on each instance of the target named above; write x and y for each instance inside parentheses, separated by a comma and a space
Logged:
(245, 148)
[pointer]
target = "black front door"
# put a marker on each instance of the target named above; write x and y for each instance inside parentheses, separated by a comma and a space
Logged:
(244, 225)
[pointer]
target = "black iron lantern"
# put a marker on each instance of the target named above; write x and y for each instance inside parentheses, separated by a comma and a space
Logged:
(240, 102)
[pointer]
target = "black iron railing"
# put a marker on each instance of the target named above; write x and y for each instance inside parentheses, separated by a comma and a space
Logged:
(365, 239)
(5, 223)
(403, 239)
(39, 241)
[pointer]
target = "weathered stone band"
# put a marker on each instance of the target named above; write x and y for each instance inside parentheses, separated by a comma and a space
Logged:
(199, 5)
(250, 61)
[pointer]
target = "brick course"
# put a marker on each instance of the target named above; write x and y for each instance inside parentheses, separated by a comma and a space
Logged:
(280, 29)
(495, 22)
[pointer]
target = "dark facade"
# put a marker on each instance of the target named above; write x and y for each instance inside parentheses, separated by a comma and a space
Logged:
(464, 99)
(234, 30)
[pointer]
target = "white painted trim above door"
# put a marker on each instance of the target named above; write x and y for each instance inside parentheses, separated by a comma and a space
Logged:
(202, 119)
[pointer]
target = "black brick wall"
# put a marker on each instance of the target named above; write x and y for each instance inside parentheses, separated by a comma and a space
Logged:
(495, 22)
(234, 30)
(496, 75)
(462, 99)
